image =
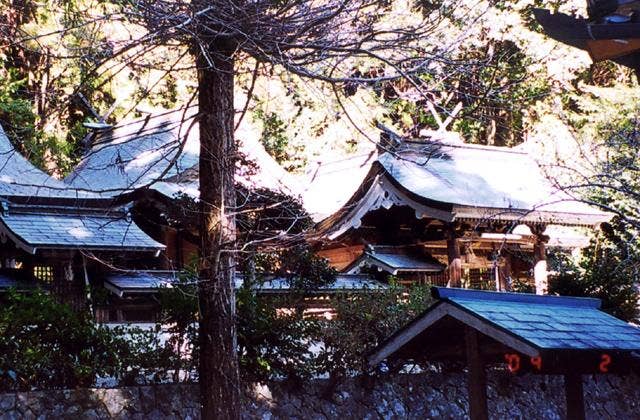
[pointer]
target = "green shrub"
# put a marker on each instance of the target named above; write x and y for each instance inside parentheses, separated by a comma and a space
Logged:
(44, 344)
(363, 321)
(608, 269)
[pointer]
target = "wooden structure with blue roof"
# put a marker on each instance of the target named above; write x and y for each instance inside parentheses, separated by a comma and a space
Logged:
(61, 238)
(458, 203)
(538, 334)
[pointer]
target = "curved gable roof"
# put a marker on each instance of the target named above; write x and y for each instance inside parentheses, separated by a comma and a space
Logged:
(458, 181)
(20, 178)
(162, 152)
(478, 176)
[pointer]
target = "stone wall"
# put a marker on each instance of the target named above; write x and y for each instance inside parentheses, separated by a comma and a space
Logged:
(427, 395)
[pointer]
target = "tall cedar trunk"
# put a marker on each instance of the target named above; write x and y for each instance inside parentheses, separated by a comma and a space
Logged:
(219, 378)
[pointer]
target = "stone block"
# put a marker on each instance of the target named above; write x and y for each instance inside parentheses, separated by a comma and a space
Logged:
(147, 398)
(115, 401)
(11, 415)
(7, 402)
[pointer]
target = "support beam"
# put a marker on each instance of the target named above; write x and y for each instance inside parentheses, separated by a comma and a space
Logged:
(540, 260)
(453, 253)
(574, 396)
(505, 277)
(477, 381)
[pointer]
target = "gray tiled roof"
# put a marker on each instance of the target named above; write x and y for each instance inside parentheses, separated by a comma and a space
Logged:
(141, 281)
(478, 176)
(18, 177)
(77, 231)
(148, 281)
(162, 152)
(405, 262)
(343, 282)
(137, 153)
(393, 260)
(548, 322)
(401, 261)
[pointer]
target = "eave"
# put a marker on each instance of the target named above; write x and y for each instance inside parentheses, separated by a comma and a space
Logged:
(380, 190)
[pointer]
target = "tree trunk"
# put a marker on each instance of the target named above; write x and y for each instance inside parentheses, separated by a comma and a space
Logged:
(219, 378)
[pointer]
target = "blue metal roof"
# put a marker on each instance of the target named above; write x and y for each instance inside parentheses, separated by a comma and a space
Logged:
(8, 281)
(343, 282)
(547, 322)
(139, 282)
(54, 231)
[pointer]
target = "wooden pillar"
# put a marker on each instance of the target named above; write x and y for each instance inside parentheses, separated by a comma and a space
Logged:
(477, 380)
(505, 277)
(574, 396)
(540, 260)
(170, 252)
(453, 254)
(179, 252)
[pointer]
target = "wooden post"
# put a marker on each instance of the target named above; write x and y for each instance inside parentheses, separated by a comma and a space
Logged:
(496, 272)
(453, 253)
(574, 396)
(505, 278)
(540, 260)
(477, 381)
(179, 252)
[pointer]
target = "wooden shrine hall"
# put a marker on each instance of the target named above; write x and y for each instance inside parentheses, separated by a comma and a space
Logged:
(61, 239)
(535, 334)
(443, 212)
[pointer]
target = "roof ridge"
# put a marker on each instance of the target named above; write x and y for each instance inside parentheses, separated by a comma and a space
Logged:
(150, 116)
(503, 149)
(451, 293)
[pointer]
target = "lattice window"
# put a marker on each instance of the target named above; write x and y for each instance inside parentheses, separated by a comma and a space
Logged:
(480, 278)
(44, 273)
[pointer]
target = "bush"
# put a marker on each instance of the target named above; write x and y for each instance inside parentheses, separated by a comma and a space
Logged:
(363, 322)
(608, 269)
(44, 344)
(274, 339)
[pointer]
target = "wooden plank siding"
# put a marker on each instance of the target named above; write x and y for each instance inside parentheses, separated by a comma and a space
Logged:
(340, 258)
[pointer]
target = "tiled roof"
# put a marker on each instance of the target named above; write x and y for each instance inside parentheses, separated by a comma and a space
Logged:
(394, 260)
(135, 154)
(161, 152)
(19, 178)
(549, 322)
(530, 324)
(343, 282)
(329, 185)
(481, 177)
(148, 281)
(77, 231)
(139, 282)
(457, 181)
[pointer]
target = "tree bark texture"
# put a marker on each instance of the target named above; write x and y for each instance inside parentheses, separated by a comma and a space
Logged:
(218, 373)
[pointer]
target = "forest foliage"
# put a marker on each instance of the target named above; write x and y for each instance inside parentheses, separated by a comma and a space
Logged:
(503, 76)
